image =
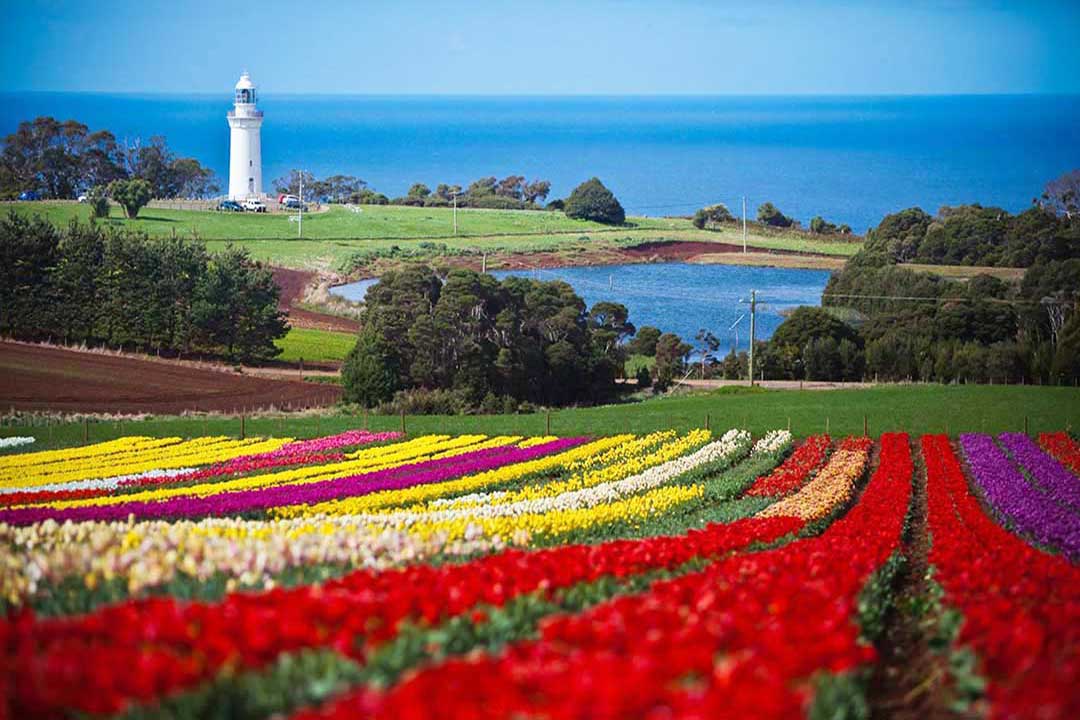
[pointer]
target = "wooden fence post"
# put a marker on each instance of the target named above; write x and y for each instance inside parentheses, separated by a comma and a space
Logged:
(708, 422)
(548, 425)
(243, 428)
(85, 430)
(865, 427)
(826, 424)
(1025, 424)
(403, 423)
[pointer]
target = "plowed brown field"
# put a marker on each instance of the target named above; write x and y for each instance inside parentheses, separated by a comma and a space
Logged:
(34, 377)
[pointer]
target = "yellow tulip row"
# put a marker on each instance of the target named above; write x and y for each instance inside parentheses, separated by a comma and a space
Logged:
(630, 449)
(420, 493)
(622, 461)
(200, 451)
(833, 486)
(563, 522)
(22, 461)
(432, 447)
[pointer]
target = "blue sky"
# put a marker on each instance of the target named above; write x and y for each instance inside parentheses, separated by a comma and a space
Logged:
(553, 47)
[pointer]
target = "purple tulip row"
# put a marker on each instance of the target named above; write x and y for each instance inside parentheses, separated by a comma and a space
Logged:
(1028, 508)
(1058, 482)
(396, 478)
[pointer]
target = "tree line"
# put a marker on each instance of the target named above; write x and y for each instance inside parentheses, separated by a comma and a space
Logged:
(63, 159)
(465, 339)
(590, 200)
(715, 217)
(121, 289)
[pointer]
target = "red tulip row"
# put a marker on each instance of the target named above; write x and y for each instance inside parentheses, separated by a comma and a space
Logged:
(1021, 606)
(1064, 449)
(796, 470)
(743, 638)
(141, 650)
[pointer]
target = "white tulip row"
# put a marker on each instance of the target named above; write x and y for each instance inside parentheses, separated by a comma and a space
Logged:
(773, 441)
(106, 483)
(731, 445)
(15, 441)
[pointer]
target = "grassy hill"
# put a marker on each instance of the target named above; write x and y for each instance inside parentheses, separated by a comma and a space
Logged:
(332, 236)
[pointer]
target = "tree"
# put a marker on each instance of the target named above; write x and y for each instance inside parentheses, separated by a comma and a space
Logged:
(290, 184)
(819, 226)
(671, 354)
(592, 201)
(98, 199)
(799, 346)
(770, 215)
(511, 186)
(369, 375)
(536, 191)
(712, 216)
(133, 195)
(236, 307)
(1062, 195)
(644, 342)
(191, 180)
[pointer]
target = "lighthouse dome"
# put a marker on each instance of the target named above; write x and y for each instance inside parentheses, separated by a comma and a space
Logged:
(245, 90)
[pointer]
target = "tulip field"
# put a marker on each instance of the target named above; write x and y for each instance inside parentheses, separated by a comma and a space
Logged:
(672, 574)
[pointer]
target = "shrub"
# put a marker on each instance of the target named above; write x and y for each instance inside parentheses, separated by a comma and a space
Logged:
(820, 226)
(98, 199)
(712, 216)
(644, 377)
(556, 204)
(770, 215)
(592, 201)
(133, 195)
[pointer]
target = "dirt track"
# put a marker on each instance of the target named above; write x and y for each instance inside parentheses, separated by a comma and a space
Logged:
(34, 377)
(292, 284)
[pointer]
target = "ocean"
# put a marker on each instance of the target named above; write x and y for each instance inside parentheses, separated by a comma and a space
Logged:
(849, 159)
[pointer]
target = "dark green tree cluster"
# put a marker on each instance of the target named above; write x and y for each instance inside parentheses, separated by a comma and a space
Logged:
(591, 200)
(976, 235)
(769, 214)
(821, 226)
(84, 284)
(59, 160)
(914, 325)
(480, 338)
(713, 216)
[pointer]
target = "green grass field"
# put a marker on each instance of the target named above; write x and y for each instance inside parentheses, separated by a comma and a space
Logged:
(314, 345)
(333, 236)
(913, 408)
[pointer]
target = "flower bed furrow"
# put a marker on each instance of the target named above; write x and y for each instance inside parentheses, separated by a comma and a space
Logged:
(1020, 606)
(1021, 504)
(743, 638)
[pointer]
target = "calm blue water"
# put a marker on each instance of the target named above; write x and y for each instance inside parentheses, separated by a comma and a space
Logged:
(850, 159)
(683, 298)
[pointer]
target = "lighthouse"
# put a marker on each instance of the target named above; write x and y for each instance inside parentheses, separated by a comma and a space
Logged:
(245, 147)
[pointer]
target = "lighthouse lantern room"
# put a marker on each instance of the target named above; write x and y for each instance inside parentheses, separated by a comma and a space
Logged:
(245, 148)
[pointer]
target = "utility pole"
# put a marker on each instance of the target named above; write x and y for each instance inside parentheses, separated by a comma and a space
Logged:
(300, 222)
(744, 224)
(753, 328)
(455, 215)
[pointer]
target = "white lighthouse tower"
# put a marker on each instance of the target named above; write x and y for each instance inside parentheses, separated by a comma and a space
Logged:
(245, 147)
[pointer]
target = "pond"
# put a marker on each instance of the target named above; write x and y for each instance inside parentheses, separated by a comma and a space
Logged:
(682, 297)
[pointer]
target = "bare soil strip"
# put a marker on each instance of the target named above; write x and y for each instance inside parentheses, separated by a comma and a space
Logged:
(910, 680)
(35, 377)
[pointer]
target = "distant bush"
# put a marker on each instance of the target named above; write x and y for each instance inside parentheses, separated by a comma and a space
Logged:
(770, 215)
(711, 216)
(592, 201)
(557, 204)
(98, 199)
(133, 195)
(367, 196)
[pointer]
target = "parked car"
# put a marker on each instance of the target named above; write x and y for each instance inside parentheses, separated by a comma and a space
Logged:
(254, 205)
(293, 203)
(230, 206)
(29, 195)
(286, 198)
(82, 198)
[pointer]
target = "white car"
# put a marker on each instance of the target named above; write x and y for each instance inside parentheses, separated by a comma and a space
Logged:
(254, 205)
(83, 198)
